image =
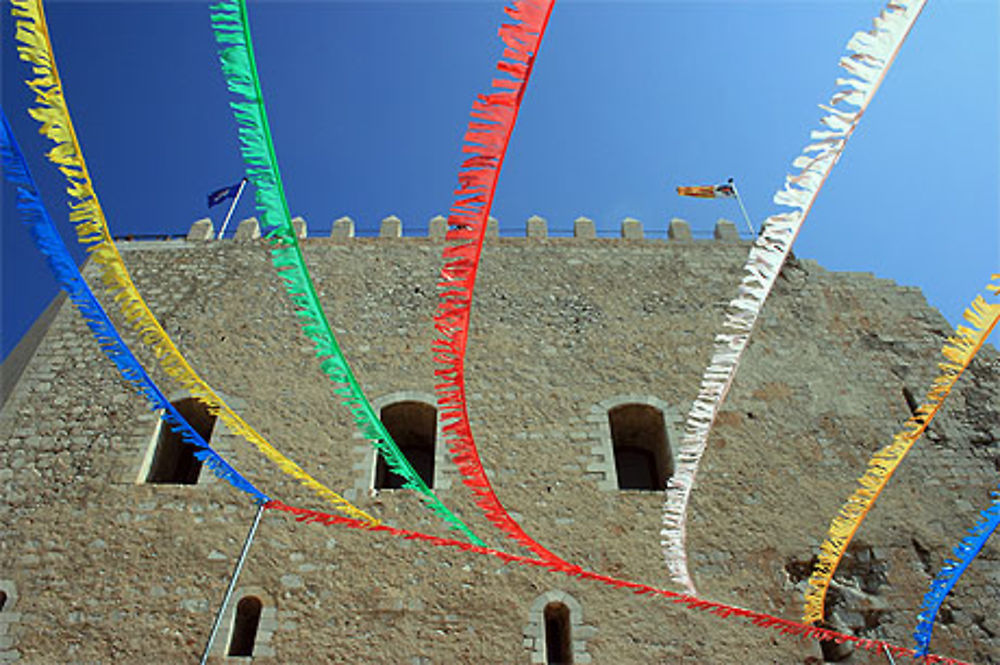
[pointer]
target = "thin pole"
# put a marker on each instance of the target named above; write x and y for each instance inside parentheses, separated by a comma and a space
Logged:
(232, 581)
(232, 207)
(739, 199)
(888, 655)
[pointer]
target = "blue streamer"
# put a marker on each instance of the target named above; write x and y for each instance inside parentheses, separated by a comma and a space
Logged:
(50, 244)
(952, 570)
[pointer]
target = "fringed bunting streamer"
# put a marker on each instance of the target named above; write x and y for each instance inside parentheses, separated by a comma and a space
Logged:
(486, 142)
(43, 232)
(958, 352)
(947, 577)
(872, 53)
(232, 32)
(92, 231)
(783, 626)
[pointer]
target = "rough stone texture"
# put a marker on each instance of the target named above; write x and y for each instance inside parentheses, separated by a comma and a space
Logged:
(249, 229)
(300, 226)
(631, 229)
(583, 228)
(392, 227)
(201, 230)
(537, 227)
(110, 571)
(679, 229)
(343, 228)
(726, 230)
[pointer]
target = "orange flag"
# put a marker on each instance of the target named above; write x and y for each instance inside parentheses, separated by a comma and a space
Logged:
(724, 191)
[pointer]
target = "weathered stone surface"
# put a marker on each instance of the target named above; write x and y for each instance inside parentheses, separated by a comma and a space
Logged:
(106, 567)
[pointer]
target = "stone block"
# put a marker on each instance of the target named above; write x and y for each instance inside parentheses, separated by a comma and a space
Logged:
(248, 230)
(631, 229)
(726, 231)
(537, 227)
(437, 227)
(299, 224)
(679, 229)
(584, 228)
(492, 228)
(201, 230)
(343, 228)
(392, 227)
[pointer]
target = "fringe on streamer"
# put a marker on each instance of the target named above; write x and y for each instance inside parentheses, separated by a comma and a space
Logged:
(783, 626)
(92, 231)
(43, 232)
(964, 552)
(871, 55)
(948, 576)
(958, 353)
(486, 141)
(232, 32)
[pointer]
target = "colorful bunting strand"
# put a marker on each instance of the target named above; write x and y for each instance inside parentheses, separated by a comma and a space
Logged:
(487, 139)
(958, 353)
(952, 570)
(92, 231)
(783, 626)
(43, 231)
(236, 54)
(872, 53)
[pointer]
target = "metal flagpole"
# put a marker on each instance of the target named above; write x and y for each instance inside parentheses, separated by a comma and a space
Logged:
(232, 207)
(232, 581)
(888, 655)
(739, 199)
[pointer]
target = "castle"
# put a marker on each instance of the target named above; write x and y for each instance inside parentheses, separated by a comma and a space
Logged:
(584, 356)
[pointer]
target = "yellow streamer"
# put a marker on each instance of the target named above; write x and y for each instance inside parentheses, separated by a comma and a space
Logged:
(92, 231)
(958, 351)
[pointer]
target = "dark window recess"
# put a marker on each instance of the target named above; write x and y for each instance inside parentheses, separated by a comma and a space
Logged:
(3, 600)
(245, 626)
(413, 426)
(558, 641)
(642, 454)
(174, 462)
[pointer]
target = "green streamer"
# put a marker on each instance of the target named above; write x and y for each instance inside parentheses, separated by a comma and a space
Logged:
(232, 32)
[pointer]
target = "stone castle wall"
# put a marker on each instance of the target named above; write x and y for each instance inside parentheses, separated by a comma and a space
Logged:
(100, 568)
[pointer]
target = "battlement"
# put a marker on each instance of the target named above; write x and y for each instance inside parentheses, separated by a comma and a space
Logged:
(536, 228)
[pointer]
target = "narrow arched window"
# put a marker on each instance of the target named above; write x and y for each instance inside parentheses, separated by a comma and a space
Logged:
(174, 460)
(642, 454)
(413, 426)
(245, 626)
(558, 640)
(3, 600)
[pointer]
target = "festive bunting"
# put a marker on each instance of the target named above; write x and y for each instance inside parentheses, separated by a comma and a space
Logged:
(92, 231)
(760, 619)
(232, 32)
(487, 139)
(958, 353)
(872, 54)
(50, 244)
(947, 577)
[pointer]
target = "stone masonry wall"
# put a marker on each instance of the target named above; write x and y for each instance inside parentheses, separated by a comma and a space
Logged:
(105, 569)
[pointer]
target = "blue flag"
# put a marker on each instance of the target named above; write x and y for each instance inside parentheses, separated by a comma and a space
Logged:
(218, 196)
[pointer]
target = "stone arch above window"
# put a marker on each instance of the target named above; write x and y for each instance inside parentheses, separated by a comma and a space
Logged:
(634, 442)
(170, 460)
(411, 418)
(555, 633)
(247, 628)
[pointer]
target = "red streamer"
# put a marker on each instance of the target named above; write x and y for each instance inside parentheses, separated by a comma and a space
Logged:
(783, 626)
(487, 138)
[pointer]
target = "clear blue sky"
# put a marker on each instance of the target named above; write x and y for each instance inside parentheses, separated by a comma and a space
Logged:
(368, 102)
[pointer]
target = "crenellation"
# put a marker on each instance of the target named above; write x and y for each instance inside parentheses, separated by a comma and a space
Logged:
(563, 331)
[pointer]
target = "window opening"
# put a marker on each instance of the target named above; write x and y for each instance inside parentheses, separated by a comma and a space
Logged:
(558, 641)
(642, 454)
(413, 426)
(3, 600)
(174, 461)
(245, 626)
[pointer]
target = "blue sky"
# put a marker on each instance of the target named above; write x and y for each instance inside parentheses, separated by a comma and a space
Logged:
(368, 104)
